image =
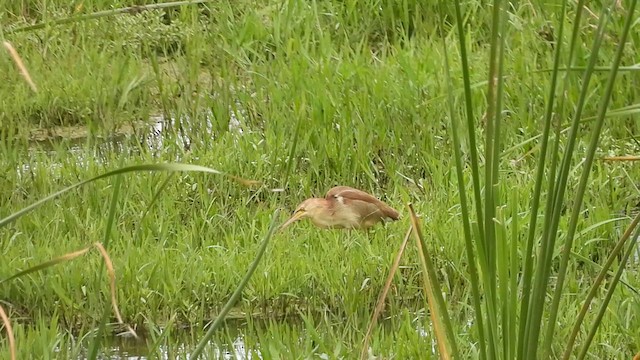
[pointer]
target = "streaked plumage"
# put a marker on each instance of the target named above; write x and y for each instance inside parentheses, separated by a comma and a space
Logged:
(344, 207)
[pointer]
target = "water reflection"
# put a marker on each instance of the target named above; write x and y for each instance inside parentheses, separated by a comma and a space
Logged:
(126, 348)
(239, 340)
(155, 136)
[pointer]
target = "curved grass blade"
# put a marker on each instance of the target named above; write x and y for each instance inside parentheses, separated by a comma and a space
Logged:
(23, 69)
(630, 68)
(165, 333)
(597, 266)
(383, 295)
(155, 198)
(624, 111)
(7, 326)
(127, 10)
(596, 284)
(112, 283)
(95, 345)
(60, 259)
(127, 169)
(292, 150)
(607, 298)
(238, 292)
(622, 158)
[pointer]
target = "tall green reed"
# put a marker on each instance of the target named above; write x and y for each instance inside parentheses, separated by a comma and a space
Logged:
(497, 289)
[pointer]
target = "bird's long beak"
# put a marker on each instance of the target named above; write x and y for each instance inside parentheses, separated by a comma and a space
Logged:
(295, 217)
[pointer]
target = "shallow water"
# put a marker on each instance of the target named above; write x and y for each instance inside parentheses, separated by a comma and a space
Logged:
(121, 348)
(154, 136)
(274, 337)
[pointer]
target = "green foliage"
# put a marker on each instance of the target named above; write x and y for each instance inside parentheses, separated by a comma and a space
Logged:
(497, 289)
(326, 93)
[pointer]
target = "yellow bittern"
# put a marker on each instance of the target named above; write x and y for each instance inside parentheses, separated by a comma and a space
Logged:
(344, 207)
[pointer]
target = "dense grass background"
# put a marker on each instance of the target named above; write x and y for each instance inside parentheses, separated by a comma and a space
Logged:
(326, 93)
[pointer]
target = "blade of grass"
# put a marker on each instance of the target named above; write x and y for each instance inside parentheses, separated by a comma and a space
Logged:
(294, 145)
(491, 135)
(622, 158)
(631, 68)
(492, 160)
(155, 198)
(469, 247)
(439, 314)
(441, 337)
(537, 192)
(237, 293)
(624, 111)
(596, 284)
(20, 64)
(112, 282)
(473, 147)
(165, 334)
(610, 291)
(9, 329)
(97, 337)
(60, 259)
(502, 273)
(515, 264)
(383, 295)
(127, 10)
(599, 267)
(127, 169)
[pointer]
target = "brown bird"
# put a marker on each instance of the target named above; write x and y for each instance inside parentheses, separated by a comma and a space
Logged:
(344, 207)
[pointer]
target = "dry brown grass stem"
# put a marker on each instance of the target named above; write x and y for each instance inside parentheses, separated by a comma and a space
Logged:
(622, 158)
(112, 282)
(383, 295)
(23, 69)
(7, 326)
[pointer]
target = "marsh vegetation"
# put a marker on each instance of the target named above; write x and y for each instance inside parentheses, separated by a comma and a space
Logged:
(301, 96)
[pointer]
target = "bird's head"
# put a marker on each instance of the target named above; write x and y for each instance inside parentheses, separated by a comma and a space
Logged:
(307, 209)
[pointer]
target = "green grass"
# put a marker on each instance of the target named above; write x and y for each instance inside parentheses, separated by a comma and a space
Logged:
(327, 93)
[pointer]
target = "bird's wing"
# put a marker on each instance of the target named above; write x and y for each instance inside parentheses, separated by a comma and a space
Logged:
(349, 193)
